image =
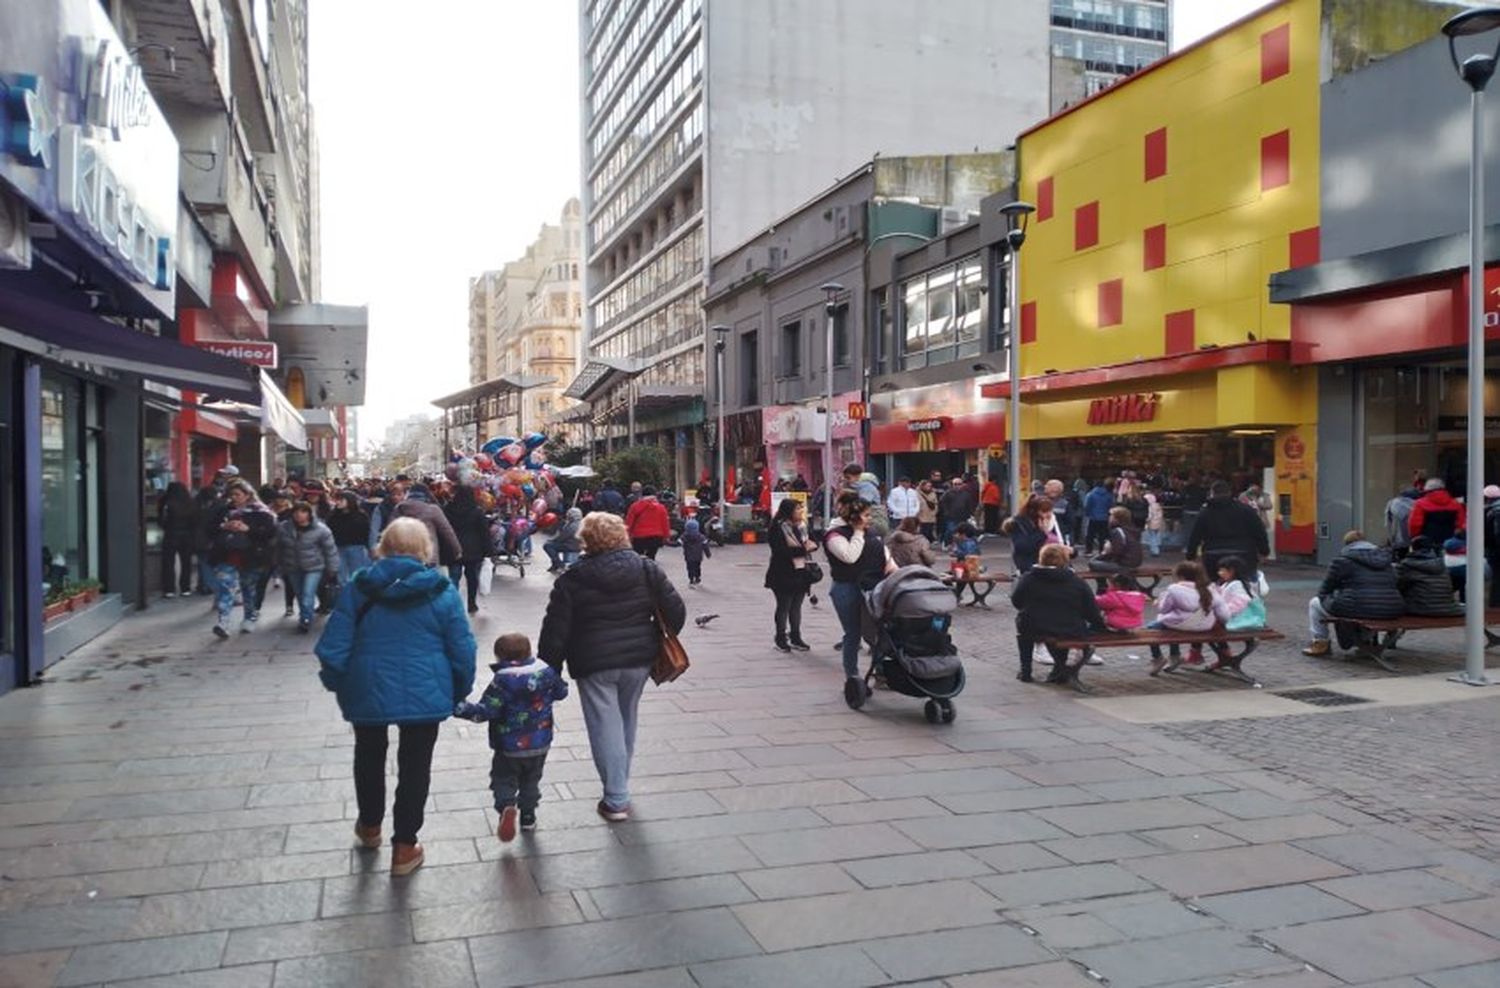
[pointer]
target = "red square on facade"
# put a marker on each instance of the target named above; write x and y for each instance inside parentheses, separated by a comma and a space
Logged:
(1086, 225)
(1044, 200)
(1111, 303)
(1275, 160)
(1305, 247)
(1154, 247)
(1028, 322)
(1156, 154)
(1275, 53)
(1180, 332)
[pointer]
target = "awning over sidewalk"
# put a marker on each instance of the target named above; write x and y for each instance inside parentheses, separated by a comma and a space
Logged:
(66, 334)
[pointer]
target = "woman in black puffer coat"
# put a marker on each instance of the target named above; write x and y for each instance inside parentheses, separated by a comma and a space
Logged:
(600, 622)
(1422, 578)
(473, 531)
(1051, 601)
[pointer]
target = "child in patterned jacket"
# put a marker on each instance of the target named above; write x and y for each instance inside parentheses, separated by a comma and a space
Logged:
(518, 706)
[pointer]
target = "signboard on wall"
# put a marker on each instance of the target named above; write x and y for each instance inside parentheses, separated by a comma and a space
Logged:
(256, 353)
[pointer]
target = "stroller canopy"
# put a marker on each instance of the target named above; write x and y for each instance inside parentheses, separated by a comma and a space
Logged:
(911, 592)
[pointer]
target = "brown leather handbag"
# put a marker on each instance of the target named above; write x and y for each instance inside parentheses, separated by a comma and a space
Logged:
(671, 658)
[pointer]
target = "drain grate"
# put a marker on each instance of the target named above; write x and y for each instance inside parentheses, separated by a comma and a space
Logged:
(1322, 698)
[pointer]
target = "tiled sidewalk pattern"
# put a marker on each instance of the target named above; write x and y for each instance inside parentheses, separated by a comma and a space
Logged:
(177, 812)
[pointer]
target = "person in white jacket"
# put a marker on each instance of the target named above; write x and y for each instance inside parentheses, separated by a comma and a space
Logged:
(1189, 604)
(903, 502)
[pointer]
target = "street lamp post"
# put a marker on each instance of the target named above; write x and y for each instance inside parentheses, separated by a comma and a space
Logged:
(721, 334)
(1476, 71)
(1016, 215)
(831, 291)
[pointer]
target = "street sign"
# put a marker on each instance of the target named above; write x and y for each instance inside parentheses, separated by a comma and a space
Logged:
(858, 411)
(256, 353)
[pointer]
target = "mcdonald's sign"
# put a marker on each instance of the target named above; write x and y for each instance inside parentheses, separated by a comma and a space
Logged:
(926, 431)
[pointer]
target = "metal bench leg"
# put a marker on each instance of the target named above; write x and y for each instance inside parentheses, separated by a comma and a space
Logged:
(1490, 639)
(1151, 590)
(982, 599)
(1375, 652)
(1074, 669)
(1230, 665)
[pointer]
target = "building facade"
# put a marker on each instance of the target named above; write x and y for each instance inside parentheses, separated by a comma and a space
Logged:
(1109, 40)
(700, 122)
(524, 322)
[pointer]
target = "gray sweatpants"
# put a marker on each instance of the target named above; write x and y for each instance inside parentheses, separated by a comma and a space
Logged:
(610, 699)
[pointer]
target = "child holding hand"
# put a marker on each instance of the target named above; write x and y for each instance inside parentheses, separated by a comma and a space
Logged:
(518, 707)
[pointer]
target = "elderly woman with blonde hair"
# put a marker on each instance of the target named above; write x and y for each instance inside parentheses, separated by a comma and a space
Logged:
(397, 650)
(601, 623)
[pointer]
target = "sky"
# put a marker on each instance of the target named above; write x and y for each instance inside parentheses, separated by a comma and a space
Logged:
(447, 139)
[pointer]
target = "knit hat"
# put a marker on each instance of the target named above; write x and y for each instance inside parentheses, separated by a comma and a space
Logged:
(1492, 492)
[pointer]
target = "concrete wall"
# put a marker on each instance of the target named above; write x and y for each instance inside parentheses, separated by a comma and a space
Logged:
(1339, 462)
(1387, 185)
(826, 85)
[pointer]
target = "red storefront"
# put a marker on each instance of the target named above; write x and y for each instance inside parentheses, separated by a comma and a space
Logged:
(949, 427)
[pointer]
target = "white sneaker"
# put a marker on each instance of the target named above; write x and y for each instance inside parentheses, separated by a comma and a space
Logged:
(247, 626)
(169, 595)
(1042, 657)
(1096, 660)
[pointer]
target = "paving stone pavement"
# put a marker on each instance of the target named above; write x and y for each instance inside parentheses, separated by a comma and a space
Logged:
(176, 811)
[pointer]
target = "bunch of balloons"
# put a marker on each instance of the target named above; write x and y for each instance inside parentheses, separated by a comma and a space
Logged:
(511, 475)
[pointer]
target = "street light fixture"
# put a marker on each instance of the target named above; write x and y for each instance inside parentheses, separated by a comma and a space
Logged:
(1016, 214)
(721, 336)
(831, 291)
(1475, 70)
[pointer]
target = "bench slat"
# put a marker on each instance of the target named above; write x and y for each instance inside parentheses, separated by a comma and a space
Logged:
(1148, 638)
(1417, 622)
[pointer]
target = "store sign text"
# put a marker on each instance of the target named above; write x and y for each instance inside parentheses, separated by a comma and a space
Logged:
(1124, 408)
(928, 425)
(88, 189)
(257, 353)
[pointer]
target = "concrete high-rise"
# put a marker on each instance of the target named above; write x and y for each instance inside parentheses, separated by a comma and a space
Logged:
(701, 122)
(1109, 39)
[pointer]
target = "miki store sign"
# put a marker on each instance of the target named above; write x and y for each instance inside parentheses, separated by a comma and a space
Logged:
(1124, 408)
(83, 141)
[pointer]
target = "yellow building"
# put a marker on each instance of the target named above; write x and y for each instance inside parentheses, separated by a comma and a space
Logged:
(1163, 206)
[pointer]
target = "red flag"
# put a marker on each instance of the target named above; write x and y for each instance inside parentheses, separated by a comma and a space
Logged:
(763, 503)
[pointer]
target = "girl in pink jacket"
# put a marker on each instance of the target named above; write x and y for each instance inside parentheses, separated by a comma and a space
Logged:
(1189, 604)
(1123, 606)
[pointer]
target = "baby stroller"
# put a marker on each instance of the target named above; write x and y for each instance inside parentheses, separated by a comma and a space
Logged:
(912, 610)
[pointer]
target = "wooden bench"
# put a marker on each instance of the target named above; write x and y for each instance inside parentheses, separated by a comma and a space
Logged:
(1380, 635)
(1155, 572)
(1230, 665)
(979, 586)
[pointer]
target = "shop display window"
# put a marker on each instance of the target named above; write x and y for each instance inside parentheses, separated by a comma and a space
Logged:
(66, 477)
(942, 314)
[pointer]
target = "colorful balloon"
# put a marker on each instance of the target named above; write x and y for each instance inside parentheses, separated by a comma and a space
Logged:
(548, 522)
(496, 445)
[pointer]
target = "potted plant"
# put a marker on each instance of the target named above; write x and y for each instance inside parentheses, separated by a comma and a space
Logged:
(55, 604)
(88, 591)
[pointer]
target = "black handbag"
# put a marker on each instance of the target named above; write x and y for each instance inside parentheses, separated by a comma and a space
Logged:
(812, 573)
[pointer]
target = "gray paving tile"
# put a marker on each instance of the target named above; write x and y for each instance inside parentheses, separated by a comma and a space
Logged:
(143, 958)
(429, 886)
(935, 783)
(501, 915)
(815, 792)
(1104, 847)
(1163, 917)
(1062, 884)
(723, 825)
(670, 895)
(798, 881)
(1070, 931)
(852, 916)
(283, 868)
(977, 830)
(1250, 804)
(818, 967)
(1384, 945)
(1366, 853)
(157, 803)
(1190, 958)
(1476, 976)
(38, 969)
(431, 965)
(1201, 838)
(244, 976)
(1477, 914)
(1056, 974)
(69, 926)
(318, 936)
(1006, 858)
(673, 977)
(1286, 905)
(1015, 799)
(1269, 830)
(1144, 814)
(1074, 773)
(1155, 786)
(951, 952)
(229, 908)
(881, 809)
(609, 947)
(622, 866)
(910, 869)
(1233, 869)
(857, 840)
(1395, 889)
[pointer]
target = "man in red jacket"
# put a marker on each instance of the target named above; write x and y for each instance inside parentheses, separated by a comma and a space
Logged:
(648, 524)
(1436, 514)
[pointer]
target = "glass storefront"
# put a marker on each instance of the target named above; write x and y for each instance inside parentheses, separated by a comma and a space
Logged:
(70, 479)
(1416, 418)
(158, 428)
(1241, 455)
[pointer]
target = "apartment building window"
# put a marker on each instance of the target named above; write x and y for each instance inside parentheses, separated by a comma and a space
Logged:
(749, 369)
(880, 330)
(790, 357)
(842, 354)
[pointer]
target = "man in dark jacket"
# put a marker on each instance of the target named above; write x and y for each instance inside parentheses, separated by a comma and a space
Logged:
(610, 499)
(1436, 514)
(419, 505)
(1361, 583)
(955, 507)
(1052, 602)
(1423, 580)
(1228, 527)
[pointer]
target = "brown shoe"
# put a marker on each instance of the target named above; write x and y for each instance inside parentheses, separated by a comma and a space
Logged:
(405, 859)
(368, 837)
(1318, 648)
(507, 829)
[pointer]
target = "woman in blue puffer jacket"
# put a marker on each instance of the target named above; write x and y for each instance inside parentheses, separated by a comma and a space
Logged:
(397, 650)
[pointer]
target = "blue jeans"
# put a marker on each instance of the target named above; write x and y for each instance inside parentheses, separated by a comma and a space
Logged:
(849, 605)
(205, 574)
(558, 556)
(610, 699)
(351, 558)
(306, 584)
(227, 581)
(1152, 539)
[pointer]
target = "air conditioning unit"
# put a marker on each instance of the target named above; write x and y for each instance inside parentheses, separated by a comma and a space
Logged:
(15, 232)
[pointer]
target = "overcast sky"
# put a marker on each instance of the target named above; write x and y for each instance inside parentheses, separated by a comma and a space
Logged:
(449, 134)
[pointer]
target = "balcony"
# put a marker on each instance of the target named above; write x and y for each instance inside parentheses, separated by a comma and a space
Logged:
(196, 73)
(219, 179)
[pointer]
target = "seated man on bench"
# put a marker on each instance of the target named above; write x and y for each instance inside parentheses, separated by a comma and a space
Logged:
(1361, 583)
(1122, 551)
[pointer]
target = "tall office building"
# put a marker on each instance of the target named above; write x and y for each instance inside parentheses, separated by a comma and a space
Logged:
(703, 121)
(1110, 39)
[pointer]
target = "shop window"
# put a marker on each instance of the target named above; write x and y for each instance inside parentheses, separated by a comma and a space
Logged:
(942, 314)
(790, 358)
(914, 324)
(749, 363)
(841, 343)
(880, 328)
(64, 532)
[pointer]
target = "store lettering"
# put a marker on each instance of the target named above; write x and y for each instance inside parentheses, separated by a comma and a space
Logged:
(89, 190)
(1123, 408)
(926, 425)
(114, 89)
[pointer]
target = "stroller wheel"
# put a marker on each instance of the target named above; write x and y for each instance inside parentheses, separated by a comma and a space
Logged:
(932, 712)
(949, 711)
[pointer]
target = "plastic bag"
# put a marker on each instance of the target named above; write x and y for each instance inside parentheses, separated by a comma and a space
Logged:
(486, 577)
(1262, 588)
